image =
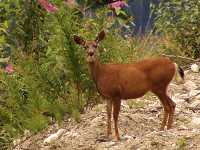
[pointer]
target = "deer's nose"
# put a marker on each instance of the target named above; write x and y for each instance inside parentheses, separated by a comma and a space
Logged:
(90, 53)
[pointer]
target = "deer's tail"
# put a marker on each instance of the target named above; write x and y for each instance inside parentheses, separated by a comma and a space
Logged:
(179, 71)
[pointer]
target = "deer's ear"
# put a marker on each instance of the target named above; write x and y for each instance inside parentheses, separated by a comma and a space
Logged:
(100, 36)
(79, 40)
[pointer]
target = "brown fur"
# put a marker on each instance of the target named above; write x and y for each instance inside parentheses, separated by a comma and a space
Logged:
(128, 81)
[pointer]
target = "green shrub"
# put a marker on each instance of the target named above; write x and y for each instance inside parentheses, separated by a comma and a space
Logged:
(51, 75)
(28, 94)
(47, 82)
(182, 143)
(5, 140)
(180, 20)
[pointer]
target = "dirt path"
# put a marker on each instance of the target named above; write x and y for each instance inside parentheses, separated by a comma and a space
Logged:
(139, 124)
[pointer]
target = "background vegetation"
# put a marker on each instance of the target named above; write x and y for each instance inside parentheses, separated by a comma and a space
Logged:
(51, 78)
(180, 21)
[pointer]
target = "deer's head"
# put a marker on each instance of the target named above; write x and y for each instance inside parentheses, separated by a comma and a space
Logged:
(90, 46)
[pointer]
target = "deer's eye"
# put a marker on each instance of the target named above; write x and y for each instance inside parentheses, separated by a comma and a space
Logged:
(86, 47)
(95, 46)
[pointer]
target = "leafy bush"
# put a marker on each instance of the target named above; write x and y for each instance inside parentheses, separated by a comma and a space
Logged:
(180, 20)
(25, 21)
(51, 76)
(5, 139)
(49, 80)
(28, 94)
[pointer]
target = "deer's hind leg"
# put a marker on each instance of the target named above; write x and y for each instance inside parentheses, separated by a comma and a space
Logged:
(169, 108)
(109, 111)
(172, 110)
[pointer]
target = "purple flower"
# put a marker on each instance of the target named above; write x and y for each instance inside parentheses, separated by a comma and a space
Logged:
(48, 6)
(9, 69)
(117, 4)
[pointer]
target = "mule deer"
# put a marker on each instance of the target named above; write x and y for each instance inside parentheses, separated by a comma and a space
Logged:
(128, 81)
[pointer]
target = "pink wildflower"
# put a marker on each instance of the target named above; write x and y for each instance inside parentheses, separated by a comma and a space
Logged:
(9, 69)
(117, 4)
(48, 6)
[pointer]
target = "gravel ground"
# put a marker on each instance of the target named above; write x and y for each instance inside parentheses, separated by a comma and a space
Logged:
(139, 124)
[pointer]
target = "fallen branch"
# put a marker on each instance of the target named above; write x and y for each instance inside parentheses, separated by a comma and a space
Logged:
(194, 60)
(191, 97)
(194, 109)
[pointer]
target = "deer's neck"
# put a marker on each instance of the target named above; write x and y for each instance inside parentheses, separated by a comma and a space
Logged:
(95, 69)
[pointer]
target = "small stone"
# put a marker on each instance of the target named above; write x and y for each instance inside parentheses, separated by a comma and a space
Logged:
(52, 138)
(60, 132)
(16, 141)
(173, 145)
(180, 98)
(110, 144)
(125, 105)
(74, 134)
(27, 133)
(177, 110)
(194, 68)
(182, 127)
(195, 121)
(183, 96)
(126, 137)
(194, 93)
(186, 71)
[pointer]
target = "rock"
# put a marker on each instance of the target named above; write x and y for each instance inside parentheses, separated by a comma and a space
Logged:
(194, 68)
(126, 137)
(110, 144)
(182, 127)
(195, 121)
(60, 132)
(53, 137)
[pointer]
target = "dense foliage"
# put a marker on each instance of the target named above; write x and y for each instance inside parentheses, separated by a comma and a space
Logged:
(50, 77)
(180, 20)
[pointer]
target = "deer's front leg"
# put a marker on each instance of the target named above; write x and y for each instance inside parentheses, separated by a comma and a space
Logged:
(116, 109)
(109, 111)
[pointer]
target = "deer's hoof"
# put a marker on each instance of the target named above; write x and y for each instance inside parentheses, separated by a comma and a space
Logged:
(162, 128)
(169, 127)
(117, 138)
(103, 139)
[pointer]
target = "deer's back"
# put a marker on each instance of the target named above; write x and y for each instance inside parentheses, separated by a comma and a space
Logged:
(159, 71)
(134, 80)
